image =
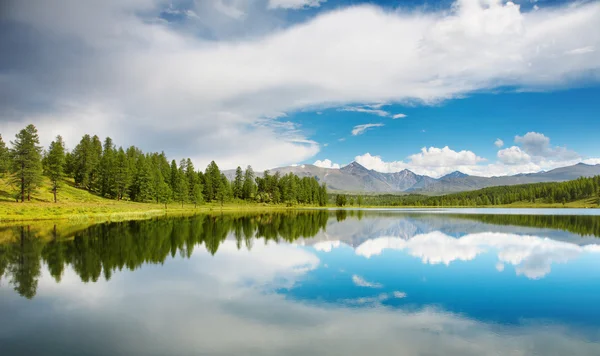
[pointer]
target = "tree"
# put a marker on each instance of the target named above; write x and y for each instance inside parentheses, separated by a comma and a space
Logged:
(121, 182)
(163, 193)
(54, 164)
(141, 185)
(4, 157)
(249, 186)
(359, 200)
(223, 190)
(340, 200)
(197, 196)
(107, 169)
(238, 183)
(26, 157)
(212, 177)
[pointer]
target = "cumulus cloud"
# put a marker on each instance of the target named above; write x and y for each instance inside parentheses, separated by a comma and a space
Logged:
(499, 143)
(513, 155)
(201, 86)
(431, 161)
(537, 144)
(326, 163)
(294, 4)
(361, 129)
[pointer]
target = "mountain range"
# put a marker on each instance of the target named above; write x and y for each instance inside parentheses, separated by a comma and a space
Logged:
(356, 178)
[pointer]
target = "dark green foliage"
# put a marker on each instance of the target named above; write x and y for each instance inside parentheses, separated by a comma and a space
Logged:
(143, 177)
(4, 157)
(107, 170)
(564, 192)
(122, 175)
(248, 186)
(54, 163)
(238, 183)
(212, 181)
(26, 161)
(340, 200)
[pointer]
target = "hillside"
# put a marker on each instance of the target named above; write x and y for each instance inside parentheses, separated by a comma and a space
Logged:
(358, 179)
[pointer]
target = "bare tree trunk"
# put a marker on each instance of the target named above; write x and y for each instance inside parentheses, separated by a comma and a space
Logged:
(55, 194)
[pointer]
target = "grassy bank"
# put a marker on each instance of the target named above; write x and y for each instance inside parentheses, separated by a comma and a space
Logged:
(78, 205)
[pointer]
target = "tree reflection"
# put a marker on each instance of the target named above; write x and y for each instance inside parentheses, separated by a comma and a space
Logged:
(103, 249)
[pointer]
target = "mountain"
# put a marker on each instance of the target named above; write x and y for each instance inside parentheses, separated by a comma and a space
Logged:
(356, 178)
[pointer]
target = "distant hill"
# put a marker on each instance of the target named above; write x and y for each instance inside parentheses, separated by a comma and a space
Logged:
(356, 178)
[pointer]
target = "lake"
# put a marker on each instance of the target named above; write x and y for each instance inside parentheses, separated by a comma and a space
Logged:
(310, 282)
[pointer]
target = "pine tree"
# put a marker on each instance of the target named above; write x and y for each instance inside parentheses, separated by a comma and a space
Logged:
(238, 183)
(54, 164)
(191, 177)
(83, 162)
(197, 196)
(249, 185)
(212, 177)
(224, 192)
(121, 182)
(4, 157)
(107, 169)
(26, 157)
(141, 185)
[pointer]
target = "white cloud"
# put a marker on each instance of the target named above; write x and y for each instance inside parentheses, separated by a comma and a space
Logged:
(374, 109)
(361, 282)
(444, 157)
(294, 4)
(430, 161)
(326, 163)
(513, 155)
(537, 144)
(532, 256)
(361, 129)
(149, 79)
(499, 143)
(377, 112)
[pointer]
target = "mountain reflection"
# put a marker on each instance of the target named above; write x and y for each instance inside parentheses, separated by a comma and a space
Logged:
(101, 250)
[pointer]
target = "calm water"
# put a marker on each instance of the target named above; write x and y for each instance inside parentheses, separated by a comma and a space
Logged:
(305, 283)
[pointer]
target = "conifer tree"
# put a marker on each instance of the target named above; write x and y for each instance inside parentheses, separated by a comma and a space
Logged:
(249, 185)
(107, 169)
(4, 157)
(238, 183)
(26, 165)
(54, 163)
(197, 195)
(121, 182)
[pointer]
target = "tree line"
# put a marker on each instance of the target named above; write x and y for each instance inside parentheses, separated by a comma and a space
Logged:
(128, 173)
(550, 193)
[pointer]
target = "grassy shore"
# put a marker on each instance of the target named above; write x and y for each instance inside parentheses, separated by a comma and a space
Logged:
(80, 206)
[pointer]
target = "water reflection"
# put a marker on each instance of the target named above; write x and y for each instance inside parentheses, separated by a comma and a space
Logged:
(311, 282)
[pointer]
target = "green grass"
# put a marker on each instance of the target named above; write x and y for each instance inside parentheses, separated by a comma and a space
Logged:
(79, 205)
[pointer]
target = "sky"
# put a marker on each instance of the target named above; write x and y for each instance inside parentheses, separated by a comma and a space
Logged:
(485, 87)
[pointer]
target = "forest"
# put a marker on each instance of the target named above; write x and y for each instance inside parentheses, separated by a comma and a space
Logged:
(547, 193)
(130, 174)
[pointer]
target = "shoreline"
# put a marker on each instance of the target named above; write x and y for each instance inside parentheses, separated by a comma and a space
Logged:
(124, 211)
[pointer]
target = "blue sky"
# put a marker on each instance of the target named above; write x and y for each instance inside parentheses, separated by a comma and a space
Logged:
(279, 82)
